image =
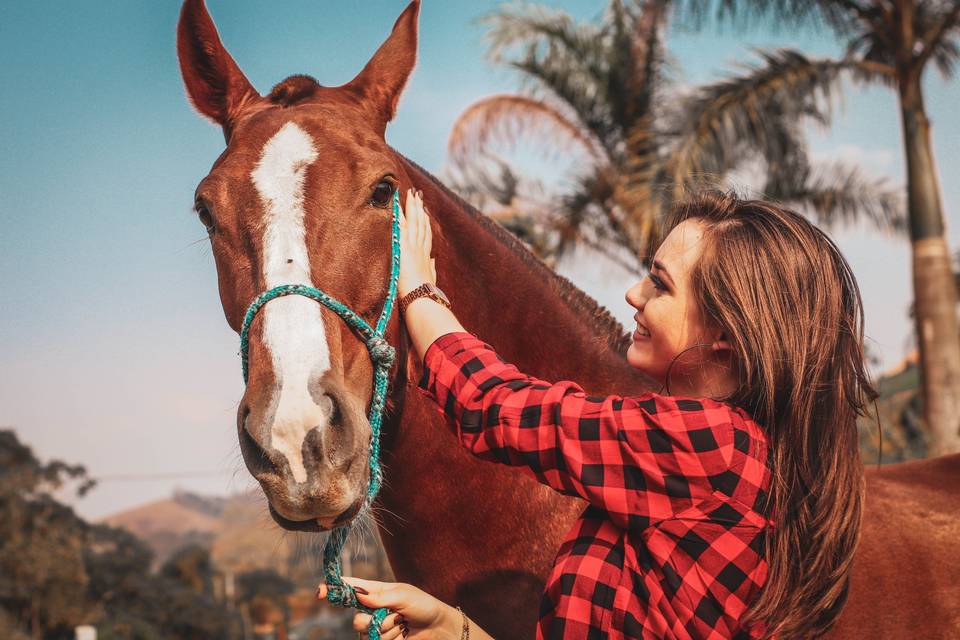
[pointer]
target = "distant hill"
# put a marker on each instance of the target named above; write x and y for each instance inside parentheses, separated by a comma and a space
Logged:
(240, 534)
(171, 524)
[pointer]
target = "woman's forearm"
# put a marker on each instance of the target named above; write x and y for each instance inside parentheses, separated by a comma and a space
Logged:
(426, 321)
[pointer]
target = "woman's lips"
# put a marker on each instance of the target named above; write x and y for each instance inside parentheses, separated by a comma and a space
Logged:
(637, 335)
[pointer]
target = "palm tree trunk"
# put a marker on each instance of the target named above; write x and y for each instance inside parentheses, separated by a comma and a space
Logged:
(934, 286)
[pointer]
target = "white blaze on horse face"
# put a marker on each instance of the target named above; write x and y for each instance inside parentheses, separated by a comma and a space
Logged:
(292, 327)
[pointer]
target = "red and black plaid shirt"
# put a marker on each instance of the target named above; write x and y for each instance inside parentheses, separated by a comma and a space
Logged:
(671, 543)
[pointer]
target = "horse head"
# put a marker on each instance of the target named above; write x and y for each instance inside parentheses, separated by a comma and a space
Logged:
(302, 195)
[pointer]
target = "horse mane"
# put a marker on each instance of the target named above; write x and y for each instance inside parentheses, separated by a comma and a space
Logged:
(600, 319)
(294, 89)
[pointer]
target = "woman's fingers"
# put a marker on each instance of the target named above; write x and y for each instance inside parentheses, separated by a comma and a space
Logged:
(390, 624)
(408, 204)
(378, 594)
(418, 224)
(393, 633)
(361, 622)
(416, 221)
(425, 238)
(411, 216)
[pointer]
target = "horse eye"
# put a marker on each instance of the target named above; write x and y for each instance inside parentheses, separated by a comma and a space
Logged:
(204, 214)
(382, 194)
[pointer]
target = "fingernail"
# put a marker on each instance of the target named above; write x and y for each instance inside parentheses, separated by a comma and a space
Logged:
(361, 591)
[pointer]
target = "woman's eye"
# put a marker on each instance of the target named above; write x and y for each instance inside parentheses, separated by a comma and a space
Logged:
(204, 214)
(657, 283)
(382, 194)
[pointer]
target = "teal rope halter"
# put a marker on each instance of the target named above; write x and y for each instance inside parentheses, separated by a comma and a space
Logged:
(382, 354)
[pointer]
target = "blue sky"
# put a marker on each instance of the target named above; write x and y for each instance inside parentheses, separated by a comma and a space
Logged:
(113, 347)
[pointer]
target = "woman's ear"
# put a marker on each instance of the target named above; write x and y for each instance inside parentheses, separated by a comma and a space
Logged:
(720, 342)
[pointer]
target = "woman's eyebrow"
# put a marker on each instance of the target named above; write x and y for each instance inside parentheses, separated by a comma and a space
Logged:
(659, 266)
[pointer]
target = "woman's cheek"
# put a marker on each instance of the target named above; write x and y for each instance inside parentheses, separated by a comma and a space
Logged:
(657, 361)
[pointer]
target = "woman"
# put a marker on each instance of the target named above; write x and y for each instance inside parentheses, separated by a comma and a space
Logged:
(730, 505)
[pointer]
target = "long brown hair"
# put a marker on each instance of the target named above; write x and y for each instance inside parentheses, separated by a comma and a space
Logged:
(791, 310)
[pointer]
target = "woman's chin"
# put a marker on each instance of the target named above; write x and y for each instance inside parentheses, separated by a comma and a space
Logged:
(636, 358)
(640, 360)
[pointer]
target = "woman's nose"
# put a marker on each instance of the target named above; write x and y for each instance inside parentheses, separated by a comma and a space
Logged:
(635, 297)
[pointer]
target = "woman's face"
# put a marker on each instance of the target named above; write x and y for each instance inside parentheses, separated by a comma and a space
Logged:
(669, 318)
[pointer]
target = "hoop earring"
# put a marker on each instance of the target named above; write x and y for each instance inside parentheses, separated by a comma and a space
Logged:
(666, 381)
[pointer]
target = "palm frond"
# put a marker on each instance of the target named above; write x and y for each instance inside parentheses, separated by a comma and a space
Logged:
(526, 226)
(606, 74)
(836, 194)
(840, 15)
(871, 71)
(938, 23)
(503, 120)
(534, 29)
(486, 185)
(557, 58)
(758, 112)
(548, 78)
(589, 216)
(635, 192)
(945, 57)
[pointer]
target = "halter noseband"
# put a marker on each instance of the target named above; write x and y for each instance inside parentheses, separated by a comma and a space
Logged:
(382, 354)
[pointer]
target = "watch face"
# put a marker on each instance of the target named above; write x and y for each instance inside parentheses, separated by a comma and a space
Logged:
(435, 290)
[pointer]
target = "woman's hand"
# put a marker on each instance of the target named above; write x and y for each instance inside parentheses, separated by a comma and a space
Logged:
(413, 613)
(416, 240)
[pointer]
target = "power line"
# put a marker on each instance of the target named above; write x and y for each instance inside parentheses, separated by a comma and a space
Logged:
(136, 477)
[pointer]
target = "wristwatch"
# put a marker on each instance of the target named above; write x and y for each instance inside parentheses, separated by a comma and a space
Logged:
(427, 289)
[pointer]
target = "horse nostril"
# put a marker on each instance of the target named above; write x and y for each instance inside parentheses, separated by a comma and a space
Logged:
(256, 456)
(335, 415)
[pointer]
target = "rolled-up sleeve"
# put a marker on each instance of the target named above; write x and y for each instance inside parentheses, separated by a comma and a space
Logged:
(642, 458)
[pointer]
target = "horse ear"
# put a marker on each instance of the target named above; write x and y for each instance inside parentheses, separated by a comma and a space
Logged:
(381, 82)
(215, 84)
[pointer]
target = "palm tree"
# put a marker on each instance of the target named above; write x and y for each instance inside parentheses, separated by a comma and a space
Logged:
(893, 42)
(599, 95)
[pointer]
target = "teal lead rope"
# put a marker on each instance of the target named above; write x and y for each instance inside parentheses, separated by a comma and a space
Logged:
(382, 354)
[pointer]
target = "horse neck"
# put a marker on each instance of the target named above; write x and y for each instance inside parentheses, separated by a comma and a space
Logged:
(507, 297)
(540, 322)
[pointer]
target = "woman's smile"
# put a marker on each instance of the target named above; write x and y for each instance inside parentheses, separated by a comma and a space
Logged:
(640, 333)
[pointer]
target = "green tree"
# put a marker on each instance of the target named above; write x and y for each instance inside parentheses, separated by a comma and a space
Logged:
(57, 571)
(893, 42)
(263, 582)
(190, 567)
(139, 605)
(121, 583)
(601, 94)
(42, 575)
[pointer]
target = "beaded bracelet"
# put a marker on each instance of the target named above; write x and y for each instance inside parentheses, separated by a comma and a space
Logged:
(465, 632)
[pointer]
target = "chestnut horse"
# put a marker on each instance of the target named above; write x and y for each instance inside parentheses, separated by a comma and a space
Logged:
(301, 195)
